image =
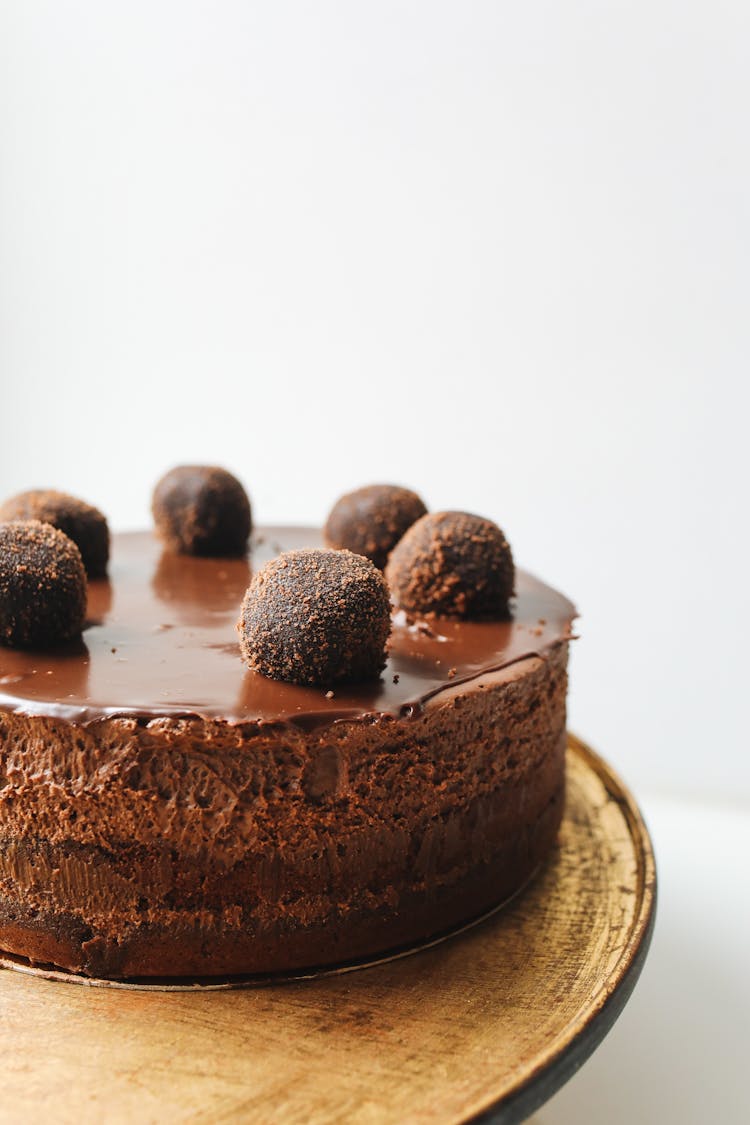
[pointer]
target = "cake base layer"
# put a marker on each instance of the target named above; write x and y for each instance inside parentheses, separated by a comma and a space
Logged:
(186, 951)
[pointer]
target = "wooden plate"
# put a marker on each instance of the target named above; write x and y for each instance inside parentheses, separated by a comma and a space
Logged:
(483, 1027)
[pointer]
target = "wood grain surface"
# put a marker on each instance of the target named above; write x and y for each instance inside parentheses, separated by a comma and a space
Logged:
(485, 1023)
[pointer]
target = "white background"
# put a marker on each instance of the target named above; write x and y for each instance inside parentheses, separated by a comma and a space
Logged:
(497, 252)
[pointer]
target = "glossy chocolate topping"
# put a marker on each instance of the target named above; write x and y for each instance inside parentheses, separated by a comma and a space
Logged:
(161, 640)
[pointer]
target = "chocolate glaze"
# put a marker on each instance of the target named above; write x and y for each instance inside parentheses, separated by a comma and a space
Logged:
(154, 648)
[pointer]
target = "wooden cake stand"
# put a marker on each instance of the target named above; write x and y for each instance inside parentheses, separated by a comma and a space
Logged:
(482, 1027)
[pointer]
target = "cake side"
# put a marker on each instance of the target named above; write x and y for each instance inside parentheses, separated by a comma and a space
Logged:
(136, 847)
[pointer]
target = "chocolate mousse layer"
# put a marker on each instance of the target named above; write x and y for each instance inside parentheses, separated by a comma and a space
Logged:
(166, 812)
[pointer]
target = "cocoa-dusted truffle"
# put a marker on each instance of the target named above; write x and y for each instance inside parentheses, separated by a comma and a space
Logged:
(370, 521)
(316, 617)
(452, 564)
(42, 585)
(202, 510)
(81, 522)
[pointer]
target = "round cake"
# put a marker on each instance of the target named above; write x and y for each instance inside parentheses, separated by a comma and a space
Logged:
(166, 812)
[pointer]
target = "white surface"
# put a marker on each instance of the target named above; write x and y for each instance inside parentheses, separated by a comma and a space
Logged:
(497, 252)
(678, 1053)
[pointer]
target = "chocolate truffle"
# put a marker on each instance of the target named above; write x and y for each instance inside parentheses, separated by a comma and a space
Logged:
(42, 585)
(81, 522)
(202, 510)
(316, 617)
(370, 521)
(452, 564)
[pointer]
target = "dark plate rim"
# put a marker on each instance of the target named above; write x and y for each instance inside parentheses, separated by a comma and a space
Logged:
(567, 1058)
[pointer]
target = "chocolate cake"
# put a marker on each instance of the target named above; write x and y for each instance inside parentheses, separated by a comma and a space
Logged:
(167, 811)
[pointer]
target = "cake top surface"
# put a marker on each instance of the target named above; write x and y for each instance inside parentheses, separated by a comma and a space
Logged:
(161, 640)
